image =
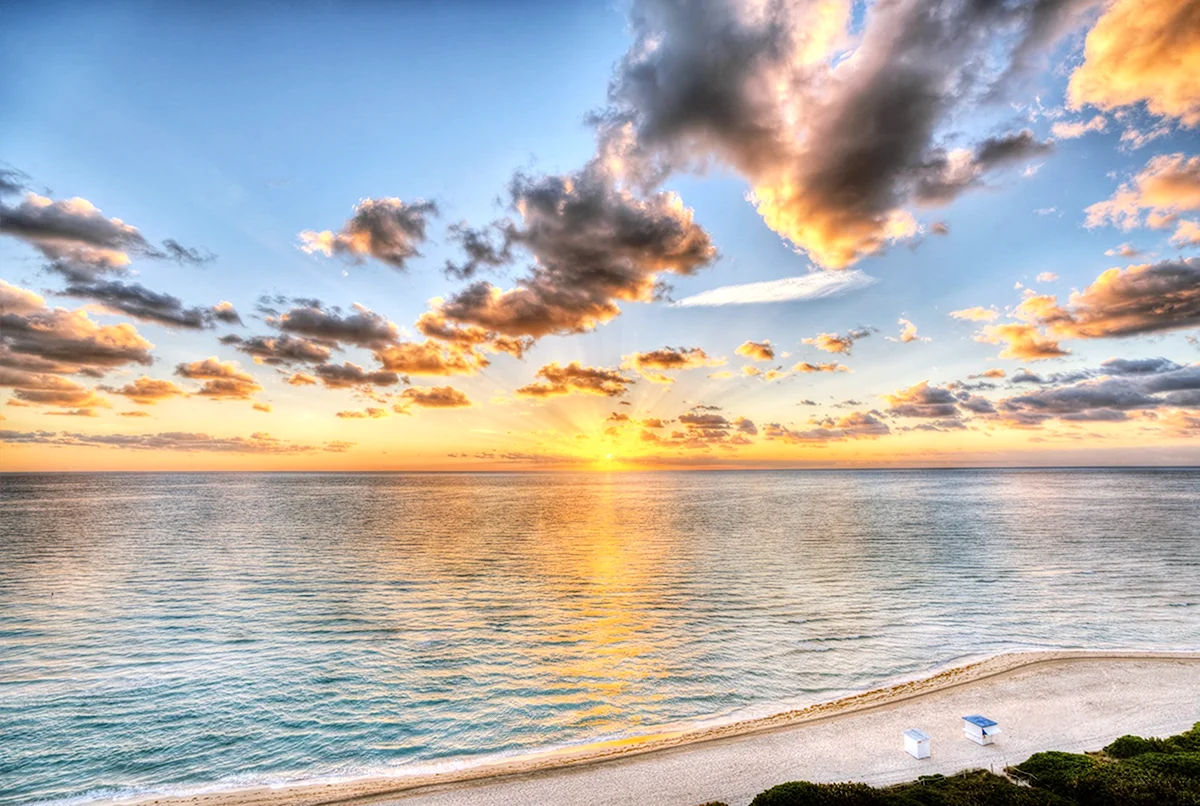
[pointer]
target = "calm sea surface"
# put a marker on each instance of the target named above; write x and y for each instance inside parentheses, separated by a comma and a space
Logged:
(188, 632)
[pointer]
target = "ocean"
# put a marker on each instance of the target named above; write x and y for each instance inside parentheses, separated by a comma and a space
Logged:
(189, 632)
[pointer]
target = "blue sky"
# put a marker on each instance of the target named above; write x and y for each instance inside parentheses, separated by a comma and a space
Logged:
(234, 129)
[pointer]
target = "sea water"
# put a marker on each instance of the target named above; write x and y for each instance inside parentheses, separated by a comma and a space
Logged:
(188, 632)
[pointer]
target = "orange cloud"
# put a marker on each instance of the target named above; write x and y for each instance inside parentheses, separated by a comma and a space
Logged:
(1167, 186)
(147, 391)
(1021, 340)
(650, 364)
(757, 350)
(434, 397)
(574, 377)
(1142, 51)
(223, 380)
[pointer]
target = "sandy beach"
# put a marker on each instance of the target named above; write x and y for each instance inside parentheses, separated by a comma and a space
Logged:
(1065, 700)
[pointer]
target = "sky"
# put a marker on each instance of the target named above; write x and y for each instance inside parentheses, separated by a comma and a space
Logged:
(587, 235)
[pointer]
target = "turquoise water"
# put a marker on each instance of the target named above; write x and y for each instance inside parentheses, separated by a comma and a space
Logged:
(179, 632)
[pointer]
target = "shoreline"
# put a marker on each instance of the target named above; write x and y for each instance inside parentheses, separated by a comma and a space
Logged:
(561, 761)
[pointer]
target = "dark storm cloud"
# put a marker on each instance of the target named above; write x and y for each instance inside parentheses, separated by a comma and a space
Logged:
(594, 244)
(757, 89)
(485, 249)
(141, 303)
(362, 328)
(280, 350)
(388, 230)
(348, 376)
(945, 175)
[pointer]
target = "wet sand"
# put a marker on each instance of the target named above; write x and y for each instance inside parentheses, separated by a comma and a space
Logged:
(1064, 700)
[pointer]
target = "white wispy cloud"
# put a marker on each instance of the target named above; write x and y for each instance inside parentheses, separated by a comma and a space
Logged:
(814, 285)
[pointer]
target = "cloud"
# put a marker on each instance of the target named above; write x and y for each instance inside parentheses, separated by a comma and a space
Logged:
(806, 367)
(858, 425)
(224, 311)
(223, 380)
(1065, 130)
(371, 412)
(785, 96)
(923, 400)
(433, 397)
(19, 301)
(1147, 298)
(352, 376)
(594, 244)
(1047, 277)
(1123, 250)
(976, 314)
(430, 357)
(1138, 366)
(908, 332)
(946, 175)
(467, 337)
(833, 343)
(362, 328)
(757, 350)
(1168, 185)
(73, 231)
(654, 364)
(282, 350)
(58, 340)
(141, 303)
(483, 251)
(574, 377)
(1022, 341)
(12, 181)
(79, 240)
(1142, 51)
(188, 442)
(300, 379)
(40, 389)
(388, 230)
(147, 391)
(1186, 234)
(1124, 386)
(815, 285)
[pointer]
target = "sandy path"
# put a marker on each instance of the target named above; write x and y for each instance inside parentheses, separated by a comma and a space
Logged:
(1048, 700)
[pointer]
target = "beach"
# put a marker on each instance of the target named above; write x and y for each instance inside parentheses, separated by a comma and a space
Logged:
(1063, 700)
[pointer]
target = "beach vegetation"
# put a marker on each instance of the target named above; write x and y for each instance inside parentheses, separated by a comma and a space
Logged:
(1132, 771)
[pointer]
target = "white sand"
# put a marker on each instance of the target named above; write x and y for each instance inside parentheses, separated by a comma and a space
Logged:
(1071, 701)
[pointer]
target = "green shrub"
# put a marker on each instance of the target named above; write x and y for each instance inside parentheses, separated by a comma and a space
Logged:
(972, 788)
(1132, 772)
(1130, 746)
(1054, 771)
(803, 793)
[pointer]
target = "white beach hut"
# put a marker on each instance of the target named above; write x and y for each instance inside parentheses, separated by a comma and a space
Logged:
(979, 729)
(916, 743)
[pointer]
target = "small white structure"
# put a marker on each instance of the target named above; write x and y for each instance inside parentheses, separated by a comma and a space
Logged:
(916, 743)
(979, 729)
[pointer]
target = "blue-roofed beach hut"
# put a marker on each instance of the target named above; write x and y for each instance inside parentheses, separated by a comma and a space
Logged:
(980, 729)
